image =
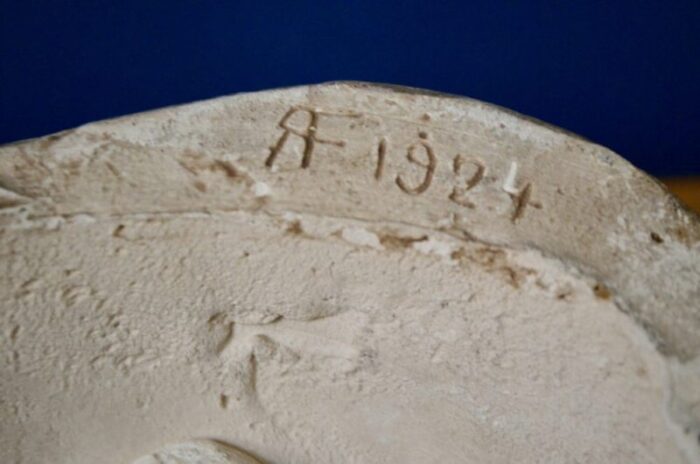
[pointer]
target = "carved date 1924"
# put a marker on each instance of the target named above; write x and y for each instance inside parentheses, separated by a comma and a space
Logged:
(469, 172)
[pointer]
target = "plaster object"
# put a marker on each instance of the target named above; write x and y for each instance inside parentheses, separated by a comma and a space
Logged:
(342, 273)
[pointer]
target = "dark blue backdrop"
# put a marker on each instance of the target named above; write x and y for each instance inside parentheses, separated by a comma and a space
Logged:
(622, 73)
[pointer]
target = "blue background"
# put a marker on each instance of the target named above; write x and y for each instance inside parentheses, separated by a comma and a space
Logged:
(624, 74)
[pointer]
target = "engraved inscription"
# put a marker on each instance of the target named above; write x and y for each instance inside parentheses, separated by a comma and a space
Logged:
(468, 172)
(381, 158)
(520, 201)
(307, 132)
(520, 197)
(429, 164)
(458, 194)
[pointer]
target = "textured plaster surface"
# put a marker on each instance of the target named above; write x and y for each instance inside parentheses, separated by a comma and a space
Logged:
(342, 273)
